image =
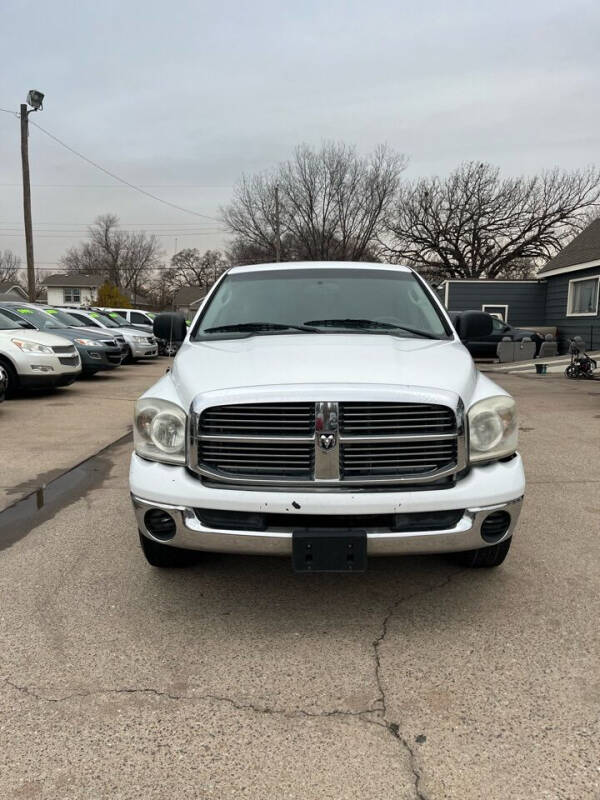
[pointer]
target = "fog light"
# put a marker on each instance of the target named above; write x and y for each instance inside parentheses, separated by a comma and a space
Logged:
(160, 524)
(495, 526)
(42, 368)
(93, 354)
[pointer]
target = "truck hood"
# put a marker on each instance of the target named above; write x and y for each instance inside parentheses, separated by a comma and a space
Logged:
(373, 365)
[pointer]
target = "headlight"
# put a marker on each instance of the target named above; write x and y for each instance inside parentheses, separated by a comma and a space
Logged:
(159, 430)
(32, 347)
(492, 428)
(140, 339)
(88, 342)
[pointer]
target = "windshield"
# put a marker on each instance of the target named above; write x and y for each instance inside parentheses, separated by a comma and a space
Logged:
(40, 319)
(107, 321)
(8, 324)
(328, 300)
(65, 319)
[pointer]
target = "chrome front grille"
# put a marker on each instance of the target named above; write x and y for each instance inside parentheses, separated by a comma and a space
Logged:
(328, 444)
(64, 348)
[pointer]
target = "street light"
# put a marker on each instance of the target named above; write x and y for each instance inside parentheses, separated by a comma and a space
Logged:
(34, 99)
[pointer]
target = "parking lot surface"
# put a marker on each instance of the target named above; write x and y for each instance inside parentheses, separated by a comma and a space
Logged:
(46, 433)
(236, 678)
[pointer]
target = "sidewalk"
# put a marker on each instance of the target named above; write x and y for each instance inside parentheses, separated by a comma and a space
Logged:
(43, 435)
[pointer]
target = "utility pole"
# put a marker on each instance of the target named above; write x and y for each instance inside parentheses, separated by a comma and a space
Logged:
(27, 202)
(277, 228)
(34, 99)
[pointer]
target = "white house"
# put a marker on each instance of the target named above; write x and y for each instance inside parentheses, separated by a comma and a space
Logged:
(74, 290)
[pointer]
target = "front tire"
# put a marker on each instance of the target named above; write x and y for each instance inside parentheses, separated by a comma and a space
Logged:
(13, 378)
(571, 371)
(163, 556)
(491, 556)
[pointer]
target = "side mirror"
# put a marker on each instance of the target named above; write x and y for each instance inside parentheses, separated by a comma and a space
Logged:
(170, 326)
(474, 324)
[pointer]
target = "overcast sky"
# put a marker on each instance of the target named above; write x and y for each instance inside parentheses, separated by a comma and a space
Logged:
(182, 97)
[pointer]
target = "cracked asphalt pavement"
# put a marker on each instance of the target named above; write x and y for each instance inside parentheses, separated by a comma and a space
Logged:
(238, 679)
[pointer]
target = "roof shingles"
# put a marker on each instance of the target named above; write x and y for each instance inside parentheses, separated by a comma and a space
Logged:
(582, 249)
(74, 280)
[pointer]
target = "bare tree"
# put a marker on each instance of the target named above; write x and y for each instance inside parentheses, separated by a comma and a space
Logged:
(124, 258)
(10, 266)
(474, 224)
(332, 203)
(189, 267)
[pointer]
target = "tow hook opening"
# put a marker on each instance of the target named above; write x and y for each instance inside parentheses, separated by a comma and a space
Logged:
(495, 526)
(160, 524)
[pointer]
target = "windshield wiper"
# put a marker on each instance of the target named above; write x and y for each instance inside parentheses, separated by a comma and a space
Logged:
(370, 323)
(259, 326)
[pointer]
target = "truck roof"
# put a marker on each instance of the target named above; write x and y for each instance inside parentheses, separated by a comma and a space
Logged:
(318, 265)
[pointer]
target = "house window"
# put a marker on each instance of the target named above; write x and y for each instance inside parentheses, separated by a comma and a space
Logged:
(72, 295)
(500, 312)
(583, 297)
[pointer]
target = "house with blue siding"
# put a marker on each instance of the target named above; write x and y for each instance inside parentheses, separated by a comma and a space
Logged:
(565, 294)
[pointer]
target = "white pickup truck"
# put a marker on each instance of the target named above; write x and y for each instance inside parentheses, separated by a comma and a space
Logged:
(327, 412)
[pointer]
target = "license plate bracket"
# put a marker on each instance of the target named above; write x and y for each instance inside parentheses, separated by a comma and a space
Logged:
(329, 550)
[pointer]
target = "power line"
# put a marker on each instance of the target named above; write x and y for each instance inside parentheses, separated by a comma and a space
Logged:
(67, 235)
(121, 180)
(126, 225)
(112, 186)
(8, 111)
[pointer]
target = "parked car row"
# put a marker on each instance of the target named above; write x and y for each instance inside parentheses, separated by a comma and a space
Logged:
(45, 346)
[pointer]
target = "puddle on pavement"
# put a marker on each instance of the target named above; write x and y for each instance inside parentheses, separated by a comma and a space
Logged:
(45, 501)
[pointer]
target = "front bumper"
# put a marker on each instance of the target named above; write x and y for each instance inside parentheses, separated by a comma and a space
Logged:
(94, 359)
(494, 487)
(45, 380)
(143, 350)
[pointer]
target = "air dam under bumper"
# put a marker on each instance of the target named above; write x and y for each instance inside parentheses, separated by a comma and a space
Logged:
(496, 487)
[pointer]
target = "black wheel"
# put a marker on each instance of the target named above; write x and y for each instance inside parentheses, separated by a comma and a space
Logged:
(491, 556)
(13, 378)
(571, 371)
(161, 555)
(129, 359)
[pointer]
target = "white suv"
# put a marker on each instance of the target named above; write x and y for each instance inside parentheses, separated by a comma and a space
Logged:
(141, 319)
(34, 359)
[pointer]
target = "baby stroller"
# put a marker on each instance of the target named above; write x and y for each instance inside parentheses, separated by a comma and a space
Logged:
(581, 366)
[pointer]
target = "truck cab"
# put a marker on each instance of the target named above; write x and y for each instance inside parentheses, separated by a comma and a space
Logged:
(327, 412)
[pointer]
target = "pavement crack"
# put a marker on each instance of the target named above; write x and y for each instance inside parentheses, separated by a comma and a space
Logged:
(382, 719)
(238, 705)
(376, 714)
